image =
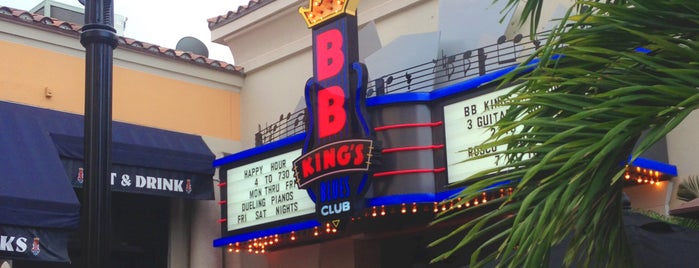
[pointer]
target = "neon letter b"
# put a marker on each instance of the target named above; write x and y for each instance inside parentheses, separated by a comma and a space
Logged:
(329, 54)
(331, 111)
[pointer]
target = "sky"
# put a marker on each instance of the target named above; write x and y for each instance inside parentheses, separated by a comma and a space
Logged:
(163, 22)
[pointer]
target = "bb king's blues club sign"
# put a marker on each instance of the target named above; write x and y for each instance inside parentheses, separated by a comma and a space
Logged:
(338, 149)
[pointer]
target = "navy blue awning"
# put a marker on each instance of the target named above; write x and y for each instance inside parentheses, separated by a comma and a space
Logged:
(41, 153)
(37, 204)
(35, 191)
(144, 159)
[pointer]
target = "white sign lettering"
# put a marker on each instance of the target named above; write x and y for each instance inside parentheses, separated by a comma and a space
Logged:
(264, 192)
(149, 182)
(13, 244)
(467, 124)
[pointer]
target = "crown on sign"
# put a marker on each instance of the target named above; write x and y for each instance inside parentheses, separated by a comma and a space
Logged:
(319, 11)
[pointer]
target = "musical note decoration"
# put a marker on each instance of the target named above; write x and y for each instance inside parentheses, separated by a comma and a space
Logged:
(288, 125)
(380, 85)
(482, 56)
(408, 79)
(507, 54)
(537, 43)
(445, 63)
(466, 57)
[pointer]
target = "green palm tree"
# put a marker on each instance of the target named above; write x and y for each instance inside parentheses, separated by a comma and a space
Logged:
(609, 72)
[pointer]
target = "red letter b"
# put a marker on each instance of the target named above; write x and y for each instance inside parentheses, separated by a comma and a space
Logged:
(331, 111)
(329, 54)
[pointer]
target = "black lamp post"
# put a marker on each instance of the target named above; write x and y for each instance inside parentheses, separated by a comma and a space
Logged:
(99, 39)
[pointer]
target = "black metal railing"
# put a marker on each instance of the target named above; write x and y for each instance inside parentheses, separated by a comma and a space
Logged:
(450, 69)
(288, 125)
(442, 71)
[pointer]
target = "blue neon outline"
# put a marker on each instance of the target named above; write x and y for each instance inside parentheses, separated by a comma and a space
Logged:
(450, 90)
(224, 241)
(365, 179)
(311, 195)
(311, 124)
(359, 96)
(655, 165)
(443, 92)
(376, 201)
(424, 197)
(643, 50)
(419, 198)
(289, 141)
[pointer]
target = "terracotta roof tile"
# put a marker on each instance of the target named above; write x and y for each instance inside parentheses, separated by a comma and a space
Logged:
(219, 21)
(51, 24)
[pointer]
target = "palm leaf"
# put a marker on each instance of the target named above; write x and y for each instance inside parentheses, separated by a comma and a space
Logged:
(688, 189)
(576, 117)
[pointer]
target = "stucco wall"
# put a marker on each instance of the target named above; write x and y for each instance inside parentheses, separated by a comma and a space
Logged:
(138, 97)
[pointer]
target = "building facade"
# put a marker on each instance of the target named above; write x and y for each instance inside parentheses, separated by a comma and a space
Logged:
(426, 60)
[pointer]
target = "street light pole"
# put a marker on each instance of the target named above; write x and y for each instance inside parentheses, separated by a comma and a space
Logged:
(99, 39)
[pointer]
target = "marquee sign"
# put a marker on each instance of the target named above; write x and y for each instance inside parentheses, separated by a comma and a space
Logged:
(467, 124)
(338, 148)
(264, 192)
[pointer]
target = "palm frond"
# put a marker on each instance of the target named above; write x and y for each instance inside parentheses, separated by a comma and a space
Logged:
(577, 116)
(688, 189)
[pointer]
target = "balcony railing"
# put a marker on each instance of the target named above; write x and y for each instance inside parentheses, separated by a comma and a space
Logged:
(450, 69)
(288, 125)
(440, 72)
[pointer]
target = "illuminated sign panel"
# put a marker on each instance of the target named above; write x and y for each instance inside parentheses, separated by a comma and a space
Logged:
(338, 148)
(467, 124)
(336, 157)
(331, 88)
(264, 192)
